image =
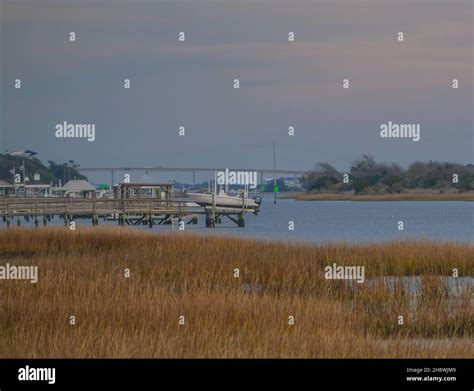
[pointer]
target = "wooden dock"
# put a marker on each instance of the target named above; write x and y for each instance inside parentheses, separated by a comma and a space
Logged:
(136, 211)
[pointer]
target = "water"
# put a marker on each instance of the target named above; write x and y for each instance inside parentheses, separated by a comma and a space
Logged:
(456, 287)
(353, 222)
(320, 221)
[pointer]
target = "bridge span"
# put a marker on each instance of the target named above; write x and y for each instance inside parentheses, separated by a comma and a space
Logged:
(191, 170)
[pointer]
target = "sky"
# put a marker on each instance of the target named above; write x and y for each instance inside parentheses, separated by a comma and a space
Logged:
(282, 83)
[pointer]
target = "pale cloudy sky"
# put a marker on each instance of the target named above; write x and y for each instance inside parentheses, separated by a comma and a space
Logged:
(282, 84)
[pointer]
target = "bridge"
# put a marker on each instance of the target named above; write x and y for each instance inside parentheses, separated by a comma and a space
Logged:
(192, 170)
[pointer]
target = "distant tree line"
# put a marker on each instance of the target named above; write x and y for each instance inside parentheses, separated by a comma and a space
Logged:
(54, 172)
(369, 176)
(65, 171)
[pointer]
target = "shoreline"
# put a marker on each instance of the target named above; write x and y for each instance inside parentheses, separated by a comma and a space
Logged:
(466, 196)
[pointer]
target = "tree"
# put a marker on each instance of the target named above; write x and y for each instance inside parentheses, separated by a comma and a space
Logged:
(324, 177)
(365, 172)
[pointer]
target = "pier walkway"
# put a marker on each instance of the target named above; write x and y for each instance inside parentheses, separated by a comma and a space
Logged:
(125, 211)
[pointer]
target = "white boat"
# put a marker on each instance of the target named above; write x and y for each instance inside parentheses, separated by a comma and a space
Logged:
(221, 199)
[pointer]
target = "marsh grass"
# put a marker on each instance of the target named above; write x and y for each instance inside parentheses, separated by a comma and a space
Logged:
(81, 273)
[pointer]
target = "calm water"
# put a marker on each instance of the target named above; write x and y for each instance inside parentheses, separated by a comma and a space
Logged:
(456, 287)
(319, 221)
(362, 221)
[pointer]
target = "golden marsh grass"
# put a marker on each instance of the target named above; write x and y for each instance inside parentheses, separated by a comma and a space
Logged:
(81, 273)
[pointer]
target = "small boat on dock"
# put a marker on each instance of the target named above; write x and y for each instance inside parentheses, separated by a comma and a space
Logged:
(221, 199)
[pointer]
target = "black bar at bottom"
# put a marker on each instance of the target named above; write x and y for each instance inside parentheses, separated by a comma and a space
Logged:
(403, 374)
